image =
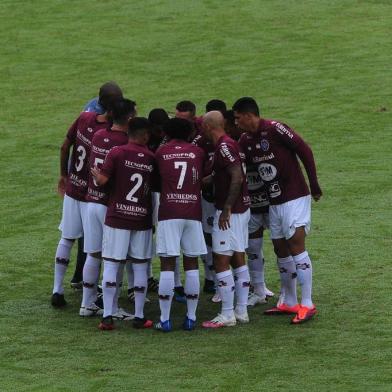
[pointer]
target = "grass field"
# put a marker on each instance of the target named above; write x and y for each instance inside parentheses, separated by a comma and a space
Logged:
(323, 67)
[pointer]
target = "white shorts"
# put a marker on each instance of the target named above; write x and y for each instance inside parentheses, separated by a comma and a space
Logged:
(93, 230)
(155, 207)
(118, 244)
(208, 213)
(174, 235)
(73, 219)
(258, 220)
(286, 217)
(234, 239)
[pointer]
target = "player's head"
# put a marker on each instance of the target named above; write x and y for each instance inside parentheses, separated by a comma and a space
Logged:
(122, 110)
(186, 110)
(216, 104)
(213, 124)
(108, 93)
(178, 128)
(230, 125)
(246, 113)
(157, 117)
(139, 129)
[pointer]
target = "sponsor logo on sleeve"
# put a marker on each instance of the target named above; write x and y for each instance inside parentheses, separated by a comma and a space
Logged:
(225, 152)
(283, 130)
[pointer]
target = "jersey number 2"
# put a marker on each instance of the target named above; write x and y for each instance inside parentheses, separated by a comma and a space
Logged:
(138, 179)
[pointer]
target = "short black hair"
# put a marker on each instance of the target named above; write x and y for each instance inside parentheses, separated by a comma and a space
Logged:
(229, 116)
(108, 93)
(122, 109)
(138, 126)
(246, 105)
(186, 106)
(158, 117)
(216, 104)
(178, 128)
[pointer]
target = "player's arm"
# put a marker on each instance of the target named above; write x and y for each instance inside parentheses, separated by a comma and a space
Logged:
(99, 178)
(64, 157)
(236, 179)
(292, 140)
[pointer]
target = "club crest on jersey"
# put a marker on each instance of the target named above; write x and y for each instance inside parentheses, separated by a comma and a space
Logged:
(140, 154)
(106, 140)
(192, 155)
(264, 145)
(177, 147)
(90, 129)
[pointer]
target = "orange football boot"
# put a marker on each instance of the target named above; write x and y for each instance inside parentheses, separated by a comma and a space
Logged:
(304, 314)
(282, 309)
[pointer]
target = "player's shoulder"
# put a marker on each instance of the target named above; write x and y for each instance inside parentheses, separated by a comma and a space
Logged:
(280, 128)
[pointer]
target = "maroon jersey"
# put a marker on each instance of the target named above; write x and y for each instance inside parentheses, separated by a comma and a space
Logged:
(227, 153)
(180, 165)
(273, 149)
(130, 169)
(102, 142)
(206, 145)
(80, 135)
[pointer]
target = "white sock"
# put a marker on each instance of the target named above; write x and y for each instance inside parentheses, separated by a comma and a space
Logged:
(130, 275)
(61, 263)
(226, 292)
(90, 278)
(165, 293)
(119, 284)
(177, 274)
(192, 291)
(149, 271)
(109, 278)
(304, 275)
(256, 265)
(242, 283)
(288, 279)
(208, 264)
(140, 270)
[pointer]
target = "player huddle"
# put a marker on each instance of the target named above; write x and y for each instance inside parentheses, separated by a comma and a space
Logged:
(207, 187)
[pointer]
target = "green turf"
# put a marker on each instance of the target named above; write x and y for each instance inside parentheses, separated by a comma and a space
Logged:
(323, 67)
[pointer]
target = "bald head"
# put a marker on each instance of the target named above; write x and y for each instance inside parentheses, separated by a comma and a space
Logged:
(214, 120)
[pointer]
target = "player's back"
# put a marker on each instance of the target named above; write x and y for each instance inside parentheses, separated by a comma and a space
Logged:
(103, 141)
(80, 135)
(180, 166)
(130, 168)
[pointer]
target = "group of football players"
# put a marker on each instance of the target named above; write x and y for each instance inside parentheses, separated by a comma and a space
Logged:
(187, 186)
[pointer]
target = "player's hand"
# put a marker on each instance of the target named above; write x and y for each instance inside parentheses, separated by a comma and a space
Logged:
(95, 172)
(316, 197)
(61, 185)
(224, 219)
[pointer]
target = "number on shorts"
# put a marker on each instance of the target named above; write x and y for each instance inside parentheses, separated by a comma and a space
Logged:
(81, 157)
(182, 166)
(97, 161)
(139, 180)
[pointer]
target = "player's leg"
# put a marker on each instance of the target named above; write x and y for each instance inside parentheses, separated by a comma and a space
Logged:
(71, 227)
(256, 266)
(81, 256)
(168, 239)
(192, 245)
(115, 246)
(130, 281)
(222, 253)
(179, 293)
(93, 232)
(141, 251)
(239, 223)
(285, 261)
(300, 220)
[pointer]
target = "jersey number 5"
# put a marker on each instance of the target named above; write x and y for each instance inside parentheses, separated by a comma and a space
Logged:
(182, 166)
(138, 179)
